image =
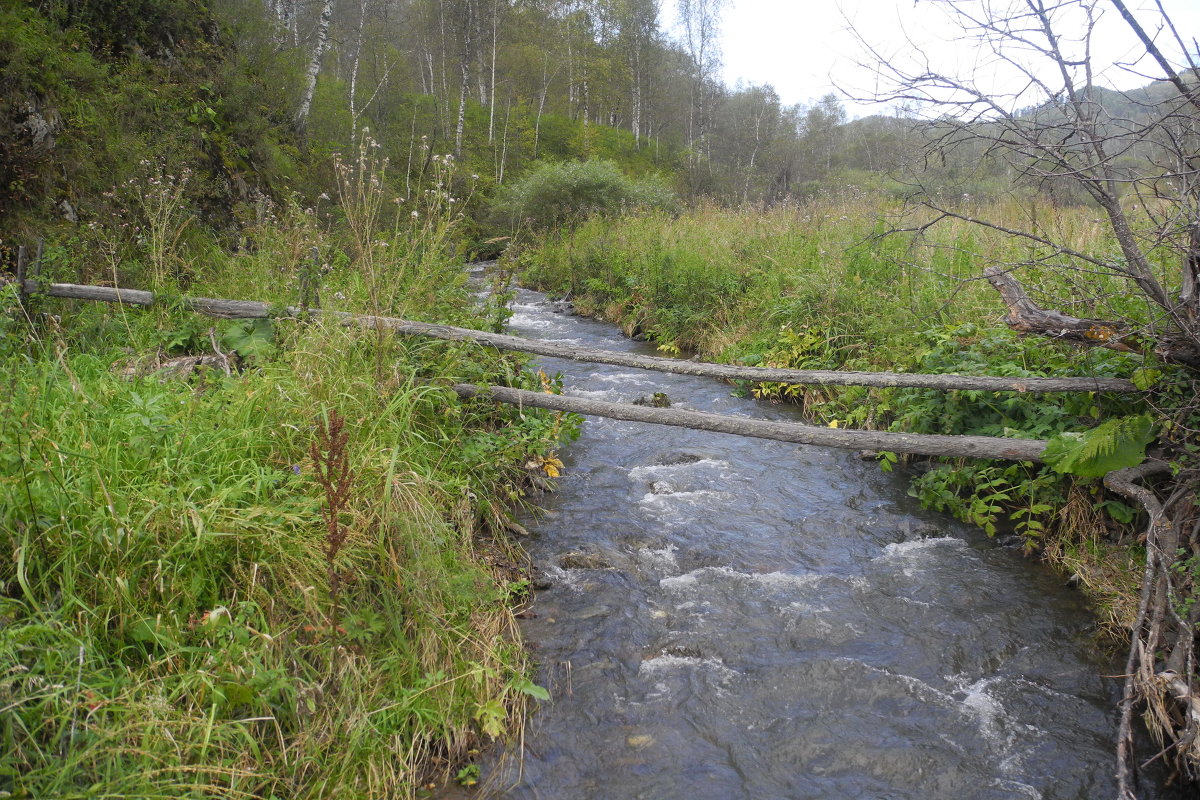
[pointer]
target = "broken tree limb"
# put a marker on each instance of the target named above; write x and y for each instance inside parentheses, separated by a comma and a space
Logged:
(916, 444)
(247, 309)
(1026, 316)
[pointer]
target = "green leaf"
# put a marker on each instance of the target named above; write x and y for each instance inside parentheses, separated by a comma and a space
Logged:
(151, 631)
(236, 694)
(1117, 510)
(253, 339)
(530, 688)
(1145, 377)
(1116, 444)
(491, 717)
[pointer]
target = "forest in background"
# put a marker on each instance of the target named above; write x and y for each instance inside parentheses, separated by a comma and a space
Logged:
(255, 97)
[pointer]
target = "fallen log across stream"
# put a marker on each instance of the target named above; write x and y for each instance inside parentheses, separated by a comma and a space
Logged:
(248, 309)
(912, 443)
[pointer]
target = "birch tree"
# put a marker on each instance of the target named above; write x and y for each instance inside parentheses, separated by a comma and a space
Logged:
(320, 42)
(701, 20)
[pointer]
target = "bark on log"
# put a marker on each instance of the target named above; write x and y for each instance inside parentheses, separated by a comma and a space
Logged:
(917, 444)
(246, 309)
(209, 306)
(1026, 316)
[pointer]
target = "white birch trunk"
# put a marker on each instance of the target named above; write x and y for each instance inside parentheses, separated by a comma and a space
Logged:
(314, 65)
(354, 111)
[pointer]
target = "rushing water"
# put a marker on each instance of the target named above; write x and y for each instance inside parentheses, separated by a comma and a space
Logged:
(740, 618)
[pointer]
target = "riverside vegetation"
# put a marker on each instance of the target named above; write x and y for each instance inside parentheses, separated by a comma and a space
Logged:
(284, 574)
(290, 579)
(817, 285)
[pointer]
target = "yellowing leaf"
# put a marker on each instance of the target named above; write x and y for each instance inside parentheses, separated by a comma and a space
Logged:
(552, 466)
(833, 423)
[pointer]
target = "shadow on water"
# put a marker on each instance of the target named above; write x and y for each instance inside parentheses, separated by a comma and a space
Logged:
(739, 618)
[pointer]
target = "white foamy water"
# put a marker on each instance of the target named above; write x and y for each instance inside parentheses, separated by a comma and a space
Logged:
(773, 580)
(918, 547)
(624, 378)
(651, 471)
(663, 558)
(667, 662)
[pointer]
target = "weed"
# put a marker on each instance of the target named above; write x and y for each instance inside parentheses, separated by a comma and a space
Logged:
(331, 468)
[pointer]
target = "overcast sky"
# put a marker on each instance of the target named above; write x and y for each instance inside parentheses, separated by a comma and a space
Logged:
(802, 47)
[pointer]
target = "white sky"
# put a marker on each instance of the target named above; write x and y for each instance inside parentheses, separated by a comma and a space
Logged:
(802, 46)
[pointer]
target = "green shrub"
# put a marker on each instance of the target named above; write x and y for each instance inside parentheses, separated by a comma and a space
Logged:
(557, 193)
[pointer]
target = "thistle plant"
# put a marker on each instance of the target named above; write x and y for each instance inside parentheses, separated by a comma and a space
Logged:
(159, 194)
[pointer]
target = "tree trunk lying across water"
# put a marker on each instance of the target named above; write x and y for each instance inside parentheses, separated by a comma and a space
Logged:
(247, 309)
(914, 443)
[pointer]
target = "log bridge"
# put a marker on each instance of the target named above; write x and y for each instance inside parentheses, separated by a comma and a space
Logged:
(916, 444)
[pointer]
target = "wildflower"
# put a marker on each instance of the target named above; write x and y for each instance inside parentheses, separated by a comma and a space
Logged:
(295, 469)
(415, 215)
(323, 196)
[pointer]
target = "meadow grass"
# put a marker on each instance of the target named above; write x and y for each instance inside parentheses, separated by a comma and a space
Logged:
(167, 624)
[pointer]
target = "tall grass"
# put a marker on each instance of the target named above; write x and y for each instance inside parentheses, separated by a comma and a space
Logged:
(715, 277)
(174, 618)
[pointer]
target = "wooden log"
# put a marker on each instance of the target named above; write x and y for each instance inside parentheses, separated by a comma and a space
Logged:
(916, 444)
(1028, 317)
(986, 383)
(247, 309)
(209, 306)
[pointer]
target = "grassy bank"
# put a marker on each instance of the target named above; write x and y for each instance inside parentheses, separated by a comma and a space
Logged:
(815, 286)
(195, 600)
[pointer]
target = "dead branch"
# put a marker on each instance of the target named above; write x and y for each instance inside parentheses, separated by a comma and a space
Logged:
(1159, 535)
(1028, 317)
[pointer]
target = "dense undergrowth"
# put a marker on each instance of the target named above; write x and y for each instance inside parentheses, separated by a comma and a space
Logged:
(283, 573)
(177, 619)
(816, 286)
